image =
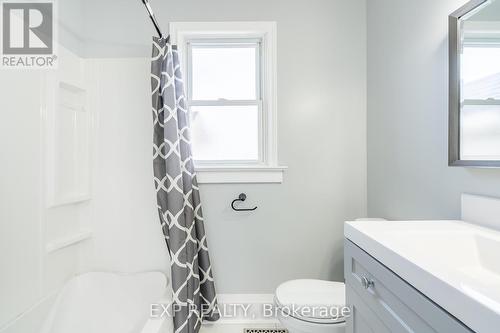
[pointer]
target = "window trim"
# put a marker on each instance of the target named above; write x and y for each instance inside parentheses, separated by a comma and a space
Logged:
(267, 170)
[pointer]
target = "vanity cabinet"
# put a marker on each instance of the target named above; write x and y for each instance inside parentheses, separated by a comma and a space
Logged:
(381, 301)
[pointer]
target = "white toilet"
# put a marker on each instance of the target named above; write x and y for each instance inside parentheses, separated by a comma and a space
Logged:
(311, 306)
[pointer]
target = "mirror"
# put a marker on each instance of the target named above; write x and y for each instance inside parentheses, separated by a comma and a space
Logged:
(474, 128)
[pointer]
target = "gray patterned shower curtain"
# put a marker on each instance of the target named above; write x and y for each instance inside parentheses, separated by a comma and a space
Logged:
(178, 198)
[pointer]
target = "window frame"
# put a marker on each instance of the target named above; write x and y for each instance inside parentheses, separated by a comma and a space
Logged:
(266, 170)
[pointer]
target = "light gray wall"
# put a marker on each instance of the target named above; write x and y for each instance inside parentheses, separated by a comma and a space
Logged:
(489, 13)
(408, 176)
(297, 231)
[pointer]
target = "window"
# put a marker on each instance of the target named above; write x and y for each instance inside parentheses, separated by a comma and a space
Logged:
(223, 90)
(229, 70)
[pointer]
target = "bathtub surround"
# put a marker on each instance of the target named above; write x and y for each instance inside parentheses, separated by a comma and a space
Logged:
(38, 252)
(177, 193)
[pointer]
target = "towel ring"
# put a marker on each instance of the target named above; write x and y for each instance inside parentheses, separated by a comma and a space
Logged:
(242, 197)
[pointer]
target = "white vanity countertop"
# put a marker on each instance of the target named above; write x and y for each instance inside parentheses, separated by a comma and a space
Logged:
(455, 264)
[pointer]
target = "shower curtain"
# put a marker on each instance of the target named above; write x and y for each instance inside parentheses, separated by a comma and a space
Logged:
(178, 198)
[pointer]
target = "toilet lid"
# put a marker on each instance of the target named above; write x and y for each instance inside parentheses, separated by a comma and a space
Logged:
(316, 301)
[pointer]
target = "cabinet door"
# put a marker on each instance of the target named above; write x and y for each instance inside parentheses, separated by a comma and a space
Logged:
(362, 318)
(399, 306)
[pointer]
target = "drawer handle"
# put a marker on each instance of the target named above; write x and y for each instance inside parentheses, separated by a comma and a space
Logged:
(367, 283)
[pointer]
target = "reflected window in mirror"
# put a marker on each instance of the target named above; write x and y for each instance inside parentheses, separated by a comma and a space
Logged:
(480, 114)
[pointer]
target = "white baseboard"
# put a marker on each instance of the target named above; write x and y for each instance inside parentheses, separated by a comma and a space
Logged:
(254, 303)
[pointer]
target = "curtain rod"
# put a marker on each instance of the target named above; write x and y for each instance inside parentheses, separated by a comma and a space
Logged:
(152, 17)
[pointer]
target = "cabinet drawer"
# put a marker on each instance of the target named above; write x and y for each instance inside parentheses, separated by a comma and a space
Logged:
(399, 306)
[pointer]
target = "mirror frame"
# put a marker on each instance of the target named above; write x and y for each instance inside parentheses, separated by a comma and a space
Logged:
(455, 88)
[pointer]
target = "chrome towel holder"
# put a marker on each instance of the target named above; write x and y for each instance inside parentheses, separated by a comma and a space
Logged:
(242, 197)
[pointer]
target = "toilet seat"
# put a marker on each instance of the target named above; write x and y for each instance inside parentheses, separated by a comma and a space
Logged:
(314, 301)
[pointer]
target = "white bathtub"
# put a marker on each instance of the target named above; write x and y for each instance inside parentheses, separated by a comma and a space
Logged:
(109, 303)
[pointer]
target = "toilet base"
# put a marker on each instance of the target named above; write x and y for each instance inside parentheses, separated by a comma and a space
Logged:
(294, 325)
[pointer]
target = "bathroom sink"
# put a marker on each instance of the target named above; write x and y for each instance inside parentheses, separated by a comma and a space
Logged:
(453, 263)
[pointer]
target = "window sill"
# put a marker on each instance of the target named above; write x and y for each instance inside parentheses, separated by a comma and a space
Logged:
(240, 175)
